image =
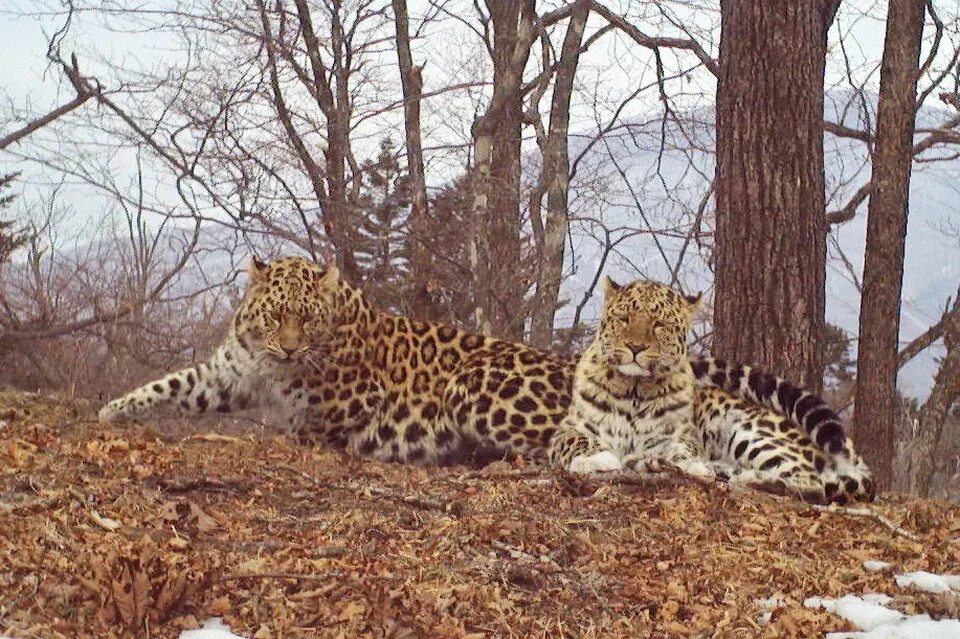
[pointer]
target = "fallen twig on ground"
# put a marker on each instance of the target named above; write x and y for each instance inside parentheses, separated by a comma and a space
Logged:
(869, 514)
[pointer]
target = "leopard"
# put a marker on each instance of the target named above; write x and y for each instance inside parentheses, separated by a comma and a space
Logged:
(636, 404)
(310, 352)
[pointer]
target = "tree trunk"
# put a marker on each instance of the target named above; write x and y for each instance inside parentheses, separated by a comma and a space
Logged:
(412, 83)
(510, 53)
(496, 183)
(494, 246)
(332, 95)
(923, 449)
(555, 178)
(770, 253)
(877, 406)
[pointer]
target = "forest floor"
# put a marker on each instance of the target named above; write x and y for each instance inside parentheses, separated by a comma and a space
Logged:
(146, 530)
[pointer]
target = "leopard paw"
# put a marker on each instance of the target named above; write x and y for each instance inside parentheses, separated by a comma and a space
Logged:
(697, 468)
(597, 462)
(114, 411)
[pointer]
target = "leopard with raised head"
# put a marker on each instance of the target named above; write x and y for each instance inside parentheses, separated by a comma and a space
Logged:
(636, 403)
(309, 348)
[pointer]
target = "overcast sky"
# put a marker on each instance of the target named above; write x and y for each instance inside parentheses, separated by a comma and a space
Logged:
(29, 86)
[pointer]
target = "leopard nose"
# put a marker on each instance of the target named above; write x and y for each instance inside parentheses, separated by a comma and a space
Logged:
(636, 349)
(289, 350)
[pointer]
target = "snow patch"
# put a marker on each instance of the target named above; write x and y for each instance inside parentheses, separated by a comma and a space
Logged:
(918, 627)
(872, 565)
(213, 628)
(929, 581)
(866, 612)
(876, 621)
(771, 603)
(768, 606)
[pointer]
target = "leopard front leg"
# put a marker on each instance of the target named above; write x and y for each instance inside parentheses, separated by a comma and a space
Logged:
(220, 385)
(577, 452)
(681, 453)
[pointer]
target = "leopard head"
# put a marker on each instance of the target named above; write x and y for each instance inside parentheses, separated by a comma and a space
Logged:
(643, 329)
(289, 308)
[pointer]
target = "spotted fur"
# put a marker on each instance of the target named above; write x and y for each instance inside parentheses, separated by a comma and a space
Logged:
(308, 349)
(638, 399)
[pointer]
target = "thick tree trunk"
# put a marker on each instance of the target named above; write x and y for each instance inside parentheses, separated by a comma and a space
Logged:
(877, 405)
(770, 251)
(496, 183)
(510, 53)
(555, 178)
(412, 84)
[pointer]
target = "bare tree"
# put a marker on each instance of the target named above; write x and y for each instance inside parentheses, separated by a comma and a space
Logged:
(551, 231)
(84, 92)
(411, 80)
(924, 444)
(877, 407)
(771, 229)
(496, 139)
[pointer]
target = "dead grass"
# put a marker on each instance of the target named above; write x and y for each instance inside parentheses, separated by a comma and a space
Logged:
(125, 531)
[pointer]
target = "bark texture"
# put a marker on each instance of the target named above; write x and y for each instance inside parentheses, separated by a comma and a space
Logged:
(411, 81)
(554, 179)
(925, 446)
(877, 406)
(771, 229)
(497, 140)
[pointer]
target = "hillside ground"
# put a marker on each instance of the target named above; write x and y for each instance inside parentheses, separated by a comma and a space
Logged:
(146, 530)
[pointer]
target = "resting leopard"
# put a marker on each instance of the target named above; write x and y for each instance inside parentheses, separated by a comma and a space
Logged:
(308, 347)
(636, 403)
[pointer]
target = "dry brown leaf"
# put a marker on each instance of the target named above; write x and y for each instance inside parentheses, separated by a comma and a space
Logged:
(104, 522)
(215, 437)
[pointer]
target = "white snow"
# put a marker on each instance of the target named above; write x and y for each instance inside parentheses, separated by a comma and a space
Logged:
(867, 612)
(917, 627)
(870, 613)
(929, 581)
(213, 628)
(873, 565)
(768, 606)
(772, 603)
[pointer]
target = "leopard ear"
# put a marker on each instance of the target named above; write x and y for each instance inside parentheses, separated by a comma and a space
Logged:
(330, 276)
(257, 270)
(610, 288)
(693, 302)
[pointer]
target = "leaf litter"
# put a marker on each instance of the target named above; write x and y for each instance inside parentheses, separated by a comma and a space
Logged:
(148, 530)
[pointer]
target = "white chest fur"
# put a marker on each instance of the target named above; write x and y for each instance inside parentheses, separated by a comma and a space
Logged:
(635, 428)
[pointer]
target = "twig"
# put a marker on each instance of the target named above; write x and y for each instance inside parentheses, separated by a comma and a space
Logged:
(212, 485)
(869, 514)
(412, 500)
(521, 473)
(325, 576)
(429, 503)
(44, 503)
(667, 474)
(634, 478)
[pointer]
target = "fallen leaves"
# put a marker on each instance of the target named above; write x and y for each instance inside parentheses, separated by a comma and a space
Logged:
(137, 582)
(110, 531)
